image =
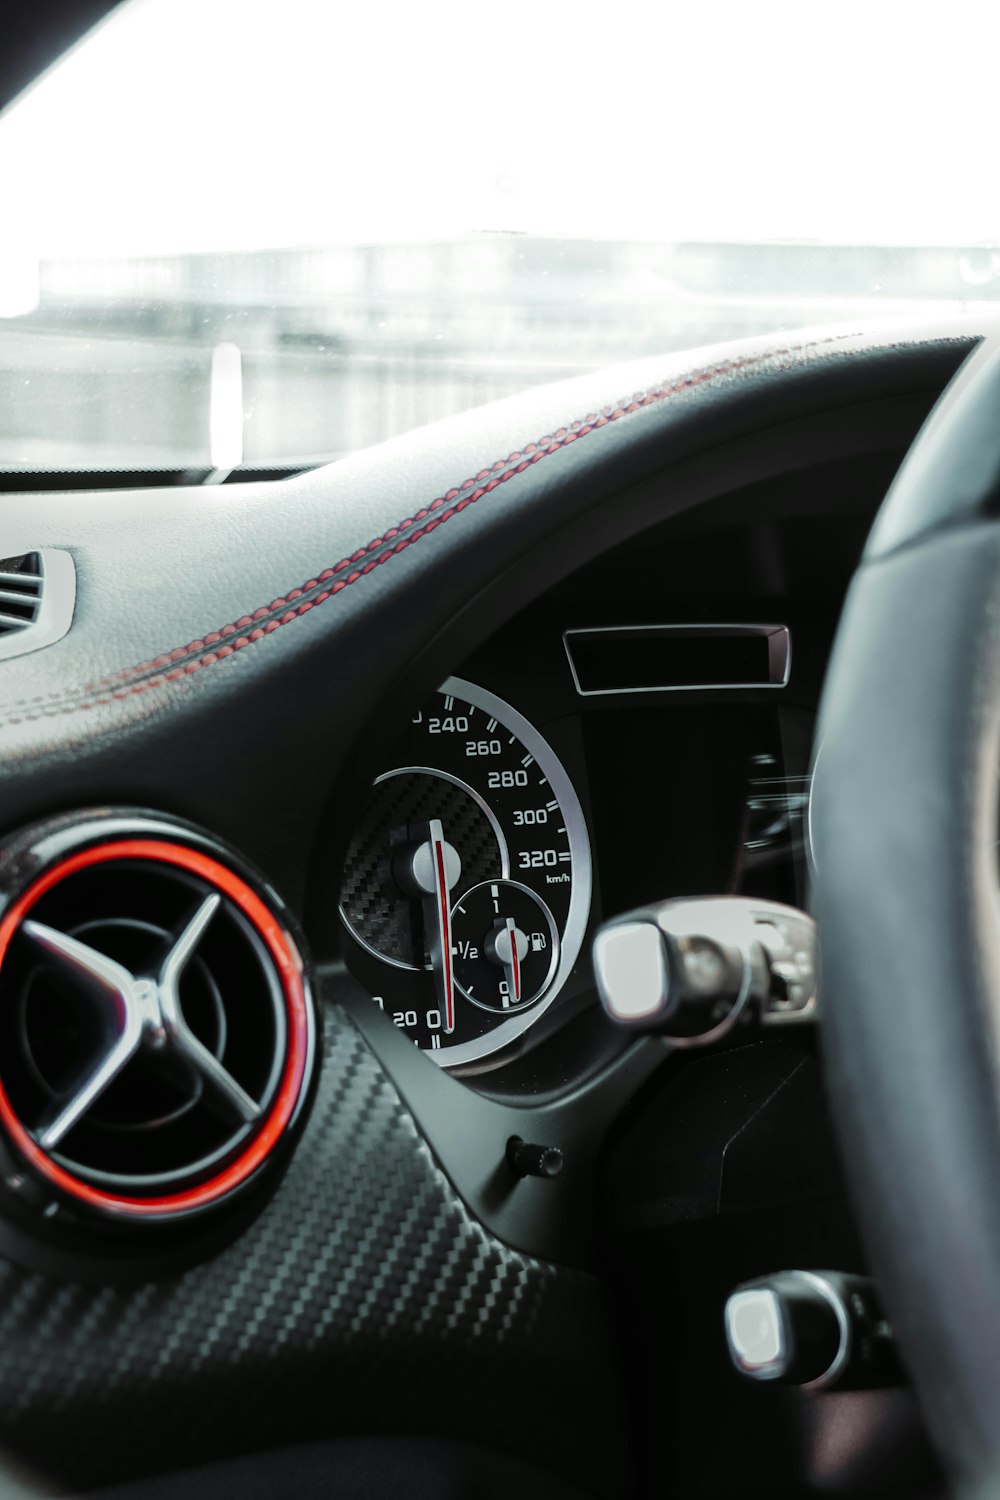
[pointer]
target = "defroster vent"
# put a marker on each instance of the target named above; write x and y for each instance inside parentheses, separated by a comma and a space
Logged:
(37, 597)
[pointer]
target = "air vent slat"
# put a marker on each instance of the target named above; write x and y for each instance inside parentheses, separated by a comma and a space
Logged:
(37, 599)
(24, 566)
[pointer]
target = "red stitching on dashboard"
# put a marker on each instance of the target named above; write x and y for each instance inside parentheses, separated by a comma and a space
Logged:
(249, 629)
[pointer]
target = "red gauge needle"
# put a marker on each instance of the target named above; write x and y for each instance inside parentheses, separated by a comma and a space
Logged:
(515, 962)
(507, 945)
(443, 974)
(430, 869)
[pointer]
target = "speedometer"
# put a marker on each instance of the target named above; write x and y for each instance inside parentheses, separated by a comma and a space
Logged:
(467, 884)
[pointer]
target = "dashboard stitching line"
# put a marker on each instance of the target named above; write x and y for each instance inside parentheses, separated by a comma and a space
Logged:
(249, 629)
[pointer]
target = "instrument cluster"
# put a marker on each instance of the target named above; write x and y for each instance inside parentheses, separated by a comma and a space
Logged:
(466, 890)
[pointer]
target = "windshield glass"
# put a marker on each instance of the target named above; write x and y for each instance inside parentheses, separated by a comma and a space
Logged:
(265, 234)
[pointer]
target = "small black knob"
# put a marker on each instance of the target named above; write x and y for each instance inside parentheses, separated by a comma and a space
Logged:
(528, 1160)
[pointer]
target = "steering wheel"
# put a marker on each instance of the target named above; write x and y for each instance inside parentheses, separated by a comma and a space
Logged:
(904, 822)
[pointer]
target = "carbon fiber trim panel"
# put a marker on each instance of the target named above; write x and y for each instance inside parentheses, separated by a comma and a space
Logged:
(365, 1299)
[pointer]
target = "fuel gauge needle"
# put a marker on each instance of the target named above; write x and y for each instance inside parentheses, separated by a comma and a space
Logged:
(514, 963)
(507, 945)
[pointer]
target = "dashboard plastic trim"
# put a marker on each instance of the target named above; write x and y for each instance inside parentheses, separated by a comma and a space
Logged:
(779, 639)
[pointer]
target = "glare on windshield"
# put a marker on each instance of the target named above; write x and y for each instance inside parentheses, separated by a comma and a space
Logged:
(249, 235)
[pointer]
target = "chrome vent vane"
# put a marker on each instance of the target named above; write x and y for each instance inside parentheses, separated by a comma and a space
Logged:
(37, 597)
(156, 1027)
(147, 1012)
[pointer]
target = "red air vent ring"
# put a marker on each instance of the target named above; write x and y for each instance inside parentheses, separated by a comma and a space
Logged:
(288, 964)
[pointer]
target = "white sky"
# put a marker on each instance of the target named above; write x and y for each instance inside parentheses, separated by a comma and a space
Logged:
(197, 124)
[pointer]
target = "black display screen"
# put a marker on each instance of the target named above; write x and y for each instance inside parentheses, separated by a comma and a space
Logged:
(615, 661)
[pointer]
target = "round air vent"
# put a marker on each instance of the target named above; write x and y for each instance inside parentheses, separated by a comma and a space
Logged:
(156, 1025)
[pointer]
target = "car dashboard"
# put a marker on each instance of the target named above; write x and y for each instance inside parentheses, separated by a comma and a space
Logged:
(408, 791)
(646, 730)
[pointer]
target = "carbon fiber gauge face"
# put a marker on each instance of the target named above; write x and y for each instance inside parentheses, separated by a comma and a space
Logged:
(466, 890)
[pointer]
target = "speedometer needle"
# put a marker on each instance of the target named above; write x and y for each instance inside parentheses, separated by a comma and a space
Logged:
(441, 930)
(429, 870)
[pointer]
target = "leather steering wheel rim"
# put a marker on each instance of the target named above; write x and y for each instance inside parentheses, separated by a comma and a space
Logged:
(904, 823)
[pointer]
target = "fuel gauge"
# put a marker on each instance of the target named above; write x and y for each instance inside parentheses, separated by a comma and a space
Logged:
(505, 945)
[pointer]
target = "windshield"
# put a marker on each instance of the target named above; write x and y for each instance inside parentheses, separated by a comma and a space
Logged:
(262, 235)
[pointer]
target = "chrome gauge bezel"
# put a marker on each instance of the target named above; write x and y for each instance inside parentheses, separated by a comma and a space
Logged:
(581, 871)
(553, 927)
